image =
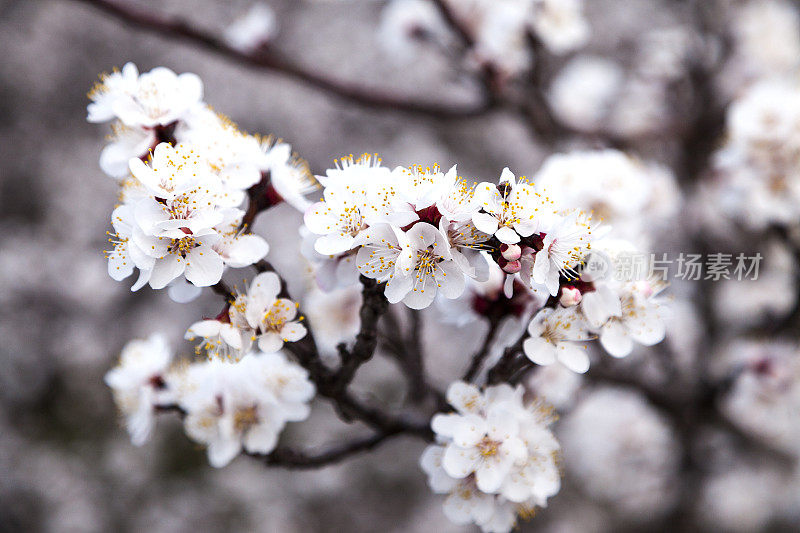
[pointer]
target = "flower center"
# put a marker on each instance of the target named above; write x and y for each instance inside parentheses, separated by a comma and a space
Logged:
(244, 419)
(488, 447)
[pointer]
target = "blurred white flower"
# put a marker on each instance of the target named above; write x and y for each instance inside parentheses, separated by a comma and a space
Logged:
(560, 24)
(766, 38)
(584, 91)
(254, 29)
(765, 398)
(232, 406)
(622, 452)
(138, 383)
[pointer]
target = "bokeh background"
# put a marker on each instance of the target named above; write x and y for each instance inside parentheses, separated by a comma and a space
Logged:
(65, 462)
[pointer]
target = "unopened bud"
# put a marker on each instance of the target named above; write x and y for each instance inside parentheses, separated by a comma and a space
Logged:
(512, 267)
(570, 296)
(510, 252)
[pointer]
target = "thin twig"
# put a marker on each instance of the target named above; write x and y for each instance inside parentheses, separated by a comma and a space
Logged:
(223, 290)
(480, 356)
(373, 306)
(295, 459)
(508, 364)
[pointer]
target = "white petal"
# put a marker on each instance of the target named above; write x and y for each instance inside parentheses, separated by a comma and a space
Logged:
(120, 264)
(231, 335)
(451, 279)
(333, 244)
(419, 298)
(204, 266)
(489, 475)
(507, 235)
(270, 342)
(261, 438)
(204, 328)
(245, 250)
(222, 451)
(293, 331)
(539, 351)
(265, 288)
(615, 340)
(459, 462)
(469, 430)
(466, 398)
(647, 327)
(398, 287)
(573, 357)
(444, 424)
(183, 292)
(166, 269)
(485, 222)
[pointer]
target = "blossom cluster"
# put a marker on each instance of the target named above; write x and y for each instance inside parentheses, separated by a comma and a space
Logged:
(533, 251)
(499, 29)
(226, 406)
(426, 232)
(259, 315)
(184, 172)
(495, 457)
(758, 174)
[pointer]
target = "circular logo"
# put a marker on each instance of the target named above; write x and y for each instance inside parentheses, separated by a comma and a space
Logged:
(597, 266)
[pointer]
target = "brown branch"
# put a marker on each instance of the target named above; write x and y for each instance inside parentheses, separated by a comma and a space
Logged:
(373, 306)
(270, 60)
(295, 459)
(480, 356)
(509, 363)
(223, 290)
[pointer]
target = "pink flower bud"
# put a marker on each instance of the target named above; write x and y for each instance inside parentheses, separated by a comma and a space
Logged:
(512, 267)
(570, 296)
(510, 252)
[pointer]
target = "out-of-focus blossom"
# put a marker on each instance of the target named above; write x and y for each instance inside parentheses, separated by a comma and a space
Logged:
(232, 406)
(254, 29)
(138, 383)
(622, 452)
(584, 91)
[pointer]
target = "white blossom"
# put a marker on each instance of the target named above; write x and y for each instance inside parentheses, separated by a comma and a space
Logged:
(138, 384)
(232, 406)
(155, 98)
(257, 316)
(495, 459)
(255, 28)
(554, 337)
(509, 210)
(357, 193)
(564, 246)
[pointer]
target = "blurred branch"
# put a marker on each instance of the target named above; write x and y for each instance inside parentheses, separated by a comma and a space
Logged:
(509, 364)
(268, 59)
(223, 290)
(480, 356)
(294, 459)
(290, 458)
